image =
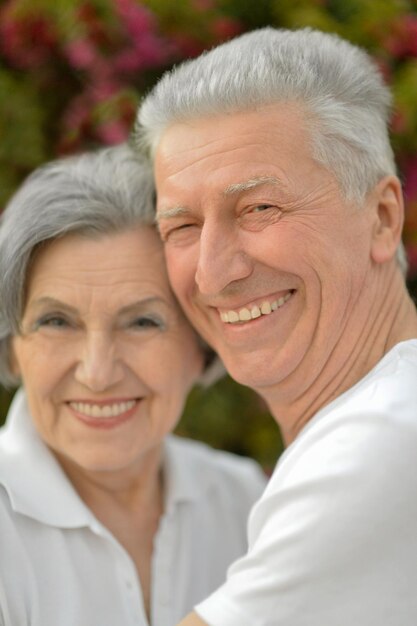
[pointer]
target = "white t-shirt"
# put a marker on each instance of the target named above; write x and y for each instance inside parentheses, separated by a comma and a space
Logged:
(59, 566)
(333, 540)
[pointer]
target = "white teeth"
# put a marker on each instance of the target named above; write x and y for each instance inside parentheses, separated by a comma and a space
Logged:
(233, 316)
(105, 410)
(255, 312)
(244, 315)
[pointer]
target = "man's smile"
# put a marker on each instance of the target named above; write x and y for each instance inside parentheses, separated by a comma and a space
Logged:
(245, 314)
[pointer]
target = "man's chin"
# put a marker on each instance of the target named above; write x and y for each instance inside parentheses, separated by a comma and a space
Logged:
(247, 372)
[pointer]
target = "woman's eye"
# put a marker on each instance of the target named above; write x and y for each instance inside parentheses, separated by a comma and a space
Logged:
(52, 321)
(147, 322)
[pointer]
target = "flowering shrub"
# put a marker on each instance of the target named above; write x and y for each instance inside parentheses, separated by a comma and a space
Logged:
(72, 73)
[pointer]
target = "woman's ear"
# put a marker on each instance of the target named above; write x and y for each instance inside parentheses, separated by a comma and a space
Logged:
(388, 206)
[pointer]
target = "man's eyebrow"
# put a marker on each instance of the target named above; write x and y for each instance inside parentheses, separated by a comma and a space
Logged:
(251, 183)
(170, 212)
(235, 188)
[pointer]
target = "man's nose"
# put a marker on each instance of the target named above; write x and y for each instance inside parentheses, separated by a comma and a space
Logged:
(222, 259)
(98, 366)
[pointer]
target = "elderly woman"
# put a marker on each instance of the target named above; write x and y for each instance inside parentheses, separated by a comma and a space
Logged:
(105, 520)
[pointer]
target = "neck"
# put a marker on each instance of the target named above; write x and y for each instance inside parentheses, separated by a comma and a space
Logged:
(129, 489)
(369, 333)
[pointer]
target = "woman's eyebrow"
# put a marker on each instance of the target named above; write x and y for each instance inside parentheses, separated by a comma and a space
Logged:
(140, 304)
(48, 301)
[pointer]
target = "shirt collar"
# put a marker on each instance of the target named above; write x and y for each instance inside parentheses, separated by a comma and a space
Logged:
(185, 471)
(35, 482)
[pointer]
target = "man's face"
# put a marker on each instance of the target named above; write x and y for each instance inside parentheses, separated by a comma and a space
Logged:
(267, 259)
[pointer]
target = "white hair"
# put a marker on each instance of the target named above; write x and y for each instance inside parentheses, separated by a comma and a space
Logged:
(337, 85)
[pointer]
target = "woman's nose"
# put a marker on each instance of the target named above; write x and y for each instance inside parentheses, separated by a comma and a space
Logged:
(98, 366)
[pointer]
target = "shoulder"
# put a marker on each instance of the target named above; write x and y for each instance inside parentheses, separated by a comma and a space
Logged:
(337, 519)
(14, 529)
(370, 428)
(357, 446)
(16, 580)
(354, 461)
(8, 517)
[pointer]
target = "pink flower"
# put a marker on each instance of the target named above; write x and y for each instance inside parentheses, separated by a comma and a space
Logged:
(384, 68)
(399, 122)
(188, 45)
(203, 5)
(225, 28)
(113, 131)
(145, 47)
(96, 30)
(28, 41)
(103, 89)
(402, 41)
(412, 259)
(410, 179)
(80, 53)
(137, 19)
(410, 35)
(146, 52)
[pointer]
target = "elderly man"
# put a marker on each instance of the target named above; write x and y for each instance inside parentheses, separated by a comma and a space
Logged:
(281, 213)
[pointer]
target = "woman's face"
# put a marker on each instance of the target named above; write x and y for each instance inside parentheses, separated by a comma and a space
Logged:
(105, 354)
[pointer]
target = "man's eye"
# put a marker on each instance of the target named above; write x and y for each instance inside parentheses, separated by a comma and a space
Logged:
(179, 228)
(181, 233)
(261, 207)
(260, 216)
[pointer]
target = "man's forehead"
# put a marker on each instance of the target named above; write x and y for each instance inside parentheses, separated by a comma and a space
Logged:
(201, 137)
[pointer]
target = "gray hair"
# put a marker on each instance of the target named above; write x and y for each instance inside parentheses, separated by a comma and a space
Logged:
(94, 193)
(339, 87)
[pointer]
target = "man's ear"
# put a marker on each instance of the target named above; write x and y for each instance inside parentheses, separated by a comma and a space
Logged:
(388, 206)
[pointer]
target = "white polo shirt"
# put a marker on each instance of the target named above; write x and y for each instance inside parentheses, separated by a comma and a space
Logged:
(59, 566)
(333, 540)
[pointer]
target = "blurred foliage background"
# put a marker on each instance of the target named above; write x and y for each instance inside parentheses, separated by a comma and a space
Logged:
(73, 71)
